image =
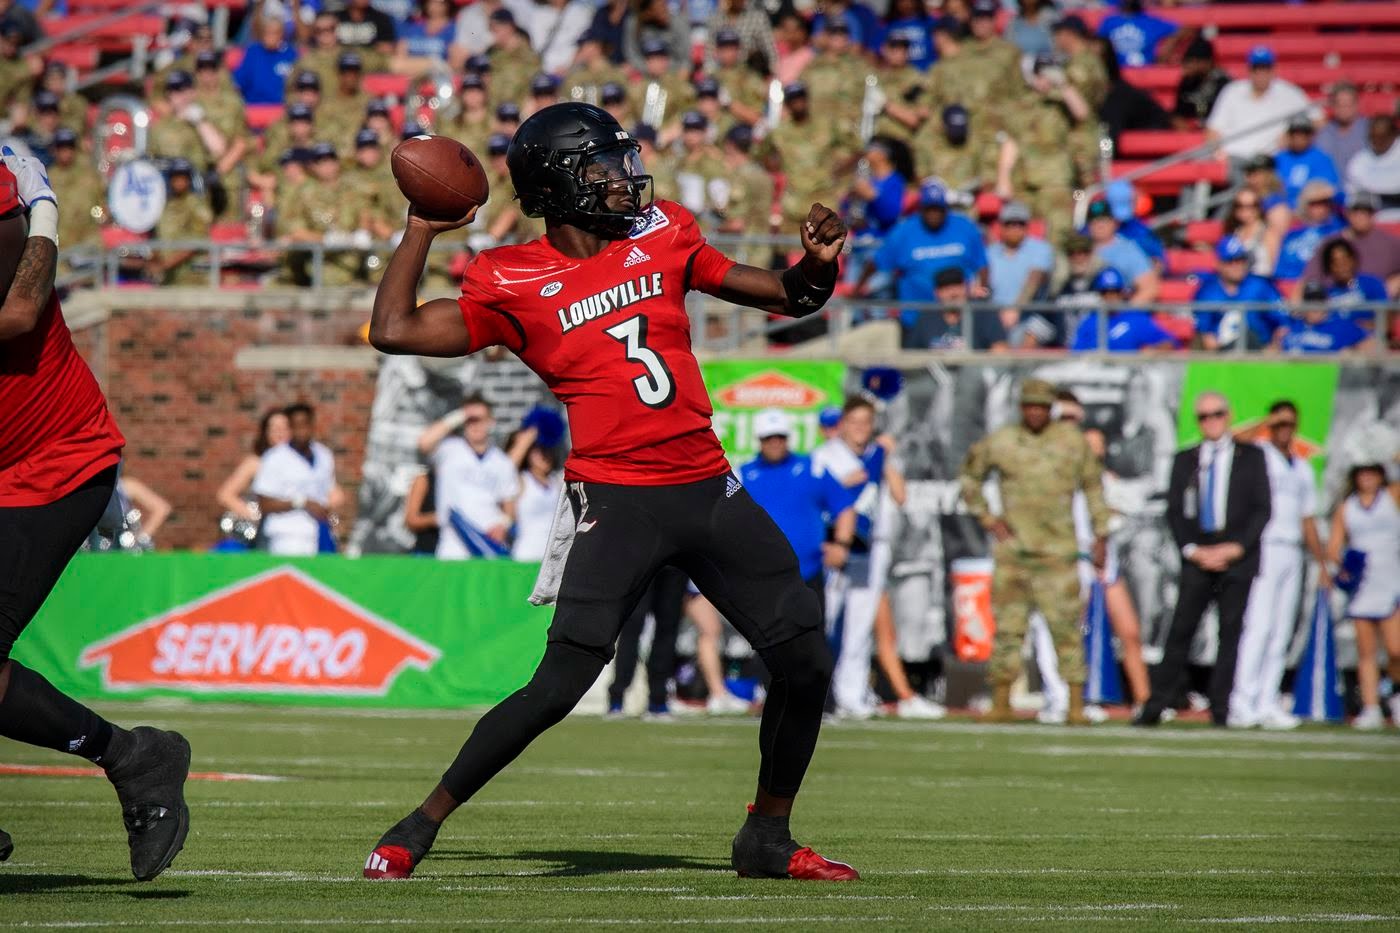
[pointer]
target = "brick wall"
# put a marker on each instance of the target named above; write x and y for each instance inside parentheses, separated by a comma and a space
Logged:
(189, 372)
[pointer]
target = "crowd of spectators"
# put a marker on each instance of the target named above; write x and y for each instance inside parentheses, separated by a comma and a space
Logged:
(949, 141)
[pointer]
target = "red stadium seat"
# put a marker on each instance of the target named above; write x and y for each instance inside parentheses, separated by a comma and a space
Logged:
(1189, 261)
(114, 237)
(1392, 227)
(1376, 103)
(1171, 179)
(75, 55)
(1206, 232)
(261, 116)
(228, 232)
(386, 85)
(233, 56)
(1361, 46)
(1240, 17)
(1177, 291)
(1182, 327)
(114, 36)
(1153, 144)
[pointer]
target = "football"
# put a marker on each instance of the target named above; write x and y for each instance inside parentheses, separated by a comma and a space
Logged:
(439, 176)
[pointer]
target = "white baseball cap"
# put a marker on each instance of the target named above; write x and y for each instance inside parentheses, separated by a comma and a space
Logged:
(771, 422)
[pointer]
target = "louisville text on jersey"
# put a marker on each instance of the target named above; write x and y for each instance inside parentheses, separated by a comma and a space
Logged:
(609, 300)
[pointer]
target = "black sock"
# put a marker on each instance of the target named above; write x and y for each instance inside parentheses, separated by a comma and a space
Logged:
(35, 712)
(770, 830)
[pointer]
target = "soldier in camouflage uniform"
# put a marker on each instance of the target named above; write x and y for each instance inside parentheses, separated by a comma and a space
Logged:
(905, 91)
(698, 163)
(591, 70)
(659, 164)
(377, 118)
(614, 100)
(1044, 172)
(512, 60)
(72, 108)
(183, 128)
(1040, 465)
(296, 130)
(186, 217)
(16, 71)
(1086, 75)
(501, 217)
(708, 105)
(747, 202)
(342, 109)
(370, 178)
(201, 40)
(323, 55)
(814, 154)
(544, 91)
(835, 78)
(472, 124)
(983, 76)
(662, 91)
(951, 149)
(292, 172)
(744, 91)
(223, 107)
(83, 207)
(326, 212)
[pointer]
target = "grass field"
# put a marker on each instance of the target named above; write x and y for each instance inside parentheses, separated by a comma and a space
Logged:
(626, 824)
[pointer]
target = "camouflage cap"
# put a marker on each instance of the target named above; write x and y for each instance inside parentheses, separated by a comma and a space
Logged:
(1037, 392)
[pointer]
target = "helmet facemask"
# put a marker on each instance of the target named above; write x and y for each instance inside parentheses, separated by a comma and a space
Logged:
(615, 172)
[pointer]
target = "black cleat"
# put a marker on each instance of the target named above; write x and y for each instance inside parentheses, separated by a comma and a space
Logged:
(7, 845)
(400, 849)
(150, 782)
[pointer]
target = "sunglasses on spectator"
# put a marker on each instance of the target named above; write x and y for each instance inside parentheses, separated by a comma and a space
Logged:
(1210, 415)
(1326, 202)
(1246, 205)
(1285, 424)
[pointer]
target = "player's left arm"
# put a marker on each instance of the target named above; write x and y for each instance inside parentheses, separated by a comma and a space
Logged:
(30, 283)
(800, 290)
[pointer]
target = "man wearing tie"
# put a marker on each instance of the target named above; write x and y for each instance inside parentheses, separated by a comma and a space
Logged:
(1217, 506)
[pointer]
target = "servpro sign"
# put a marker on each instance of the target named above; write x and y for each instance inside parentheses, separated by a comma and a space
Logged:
(278, 632)
(740, 388)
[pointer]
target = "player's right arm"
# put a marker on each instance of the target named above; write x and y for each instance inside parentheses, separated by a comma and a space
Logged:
(398, 324)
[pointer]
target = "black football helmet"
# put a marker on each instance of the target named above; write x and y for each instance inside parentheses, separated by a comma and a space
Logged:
(566, 160)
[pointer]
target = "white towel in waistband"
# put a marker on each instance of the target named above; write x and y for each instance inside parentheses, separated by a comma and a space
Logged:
(561, 538)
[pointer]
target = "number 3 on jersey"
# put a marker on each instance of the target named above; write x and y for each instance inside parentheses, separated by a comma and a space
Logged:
(657, 388)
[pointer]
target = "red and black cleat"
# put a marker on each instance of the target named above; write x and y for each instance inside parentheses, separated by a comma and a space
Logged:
(763, 849)
(809, 866)
(389, 862)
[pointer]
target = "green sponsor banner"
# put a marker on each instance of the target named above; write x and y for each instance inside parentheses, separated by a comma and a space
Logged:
(1252, 388)
(382, 631)
(740, 388)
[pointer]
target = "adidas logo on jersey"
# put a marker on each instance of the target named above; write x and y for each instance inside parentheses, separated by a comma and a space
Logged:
(635, 257)
(731, 486)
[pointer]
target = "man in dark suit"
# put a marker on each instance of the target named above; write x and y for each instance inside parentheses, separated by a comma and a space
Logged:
(1217, 507)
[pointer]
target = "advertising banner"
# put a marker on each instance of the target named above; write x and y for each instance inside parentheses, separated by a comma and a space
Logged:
(739, 388)
(385, 631)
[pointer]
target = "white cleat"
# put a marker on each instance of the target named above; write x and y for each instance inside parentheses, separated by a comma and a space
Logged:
(1369, 720)
(919, 707)
(1053, 716)
(1096, 714)
(859, 714)
(1241, 720)
(1277, 720)
(725, 704)
(1394, 704)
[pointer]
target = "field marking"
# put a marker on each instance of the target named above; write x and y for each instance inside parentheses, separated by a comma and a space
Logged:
(455, 922)
(1053, 908)
(1152, 872)
(1237, 754)
(550, 889)
(1303, 918)
(18, 770)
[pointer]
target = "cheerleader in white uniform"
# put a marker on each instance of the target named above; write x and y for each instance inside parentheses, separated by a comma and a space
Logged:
(1369, 521)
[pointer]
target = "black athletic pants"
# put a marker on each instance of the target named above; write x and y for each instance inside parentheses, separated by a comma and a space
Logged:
(36, 543)
(714, 533)
(664, 600)
(1199, 588)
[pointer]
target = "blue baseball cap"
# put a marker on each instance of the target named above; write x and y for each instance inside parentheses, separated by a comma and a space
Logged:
(472, 80)
(707, 87)
(349, 61)
(478, 64)
(1109, 280)
(829, 417)
(1261, 56)
(652, 47)
(1231, 249)
(179, 166)
(412, 129)
(542, 84)
(644, 133)
(508, 111)
(1121, 200)
(322, 150)
(613, 93)
(694, 120)
(497, 144)
(63, 136)
(376, 108)
(300, 112)
(179, 81)
(794, 89)
(307, 81)
(933, 194)
(366, 138)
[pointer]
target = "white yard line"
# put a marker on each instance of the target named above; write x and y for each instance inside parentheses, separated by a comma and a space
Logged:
(455, 922)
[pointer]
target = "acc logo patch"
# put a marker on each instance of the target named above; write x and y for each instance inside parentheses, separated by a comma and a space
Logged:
(552, 289)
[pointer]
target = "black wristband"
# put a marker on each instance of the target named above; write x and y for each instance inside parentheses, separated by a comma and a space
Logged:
(802, 296)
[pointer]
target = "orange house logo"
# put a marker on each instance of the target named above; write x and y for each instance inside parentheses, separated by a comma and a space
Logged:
(770, 389)
(277, 632)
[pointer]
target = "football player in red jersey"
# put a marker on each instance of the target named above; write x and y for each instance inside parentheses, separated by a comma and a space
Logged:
(596, 308)
(59, 450)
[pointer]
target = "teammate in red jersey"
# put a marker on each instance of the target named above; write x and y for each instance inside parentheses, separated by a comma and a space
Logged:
(596, 308)
(59, 450)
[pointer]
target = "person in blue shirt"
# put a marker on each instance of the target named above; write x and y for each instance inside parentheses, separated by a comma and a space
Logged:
(944, 330)
(917, 247)
(909, 18)
(432, 34)
(801, 501)
(1318, 212)
(1255, 315)
(262, 74)
(1122, 203)
(1300, 162)
(861, 22)
(1346, 286)
(1129, 330)
(1116, 251)
(1136, 35)
(1321, 330)
(872, 208)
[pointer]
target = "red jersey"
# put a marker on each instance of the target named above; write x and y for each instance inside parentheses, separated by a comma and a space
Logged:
(55, 430)
(610, 337)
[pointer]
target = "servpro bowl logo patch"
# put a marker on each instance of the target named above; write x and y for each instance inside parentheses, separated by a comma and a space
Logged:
(277, 632)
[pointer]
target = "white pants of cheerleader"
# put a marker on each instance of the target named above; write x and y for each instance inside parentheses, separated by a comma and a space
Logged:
(1269, 617)
(850, 683)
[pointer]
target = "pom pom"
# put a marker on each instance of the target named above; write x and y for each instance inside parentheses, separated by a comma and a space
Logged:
(883, 382)
(548, 426)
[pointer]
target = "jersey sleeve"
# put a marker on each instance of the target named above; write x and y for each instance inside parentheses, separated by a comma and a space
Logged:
(486, 326)
(705, 266)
